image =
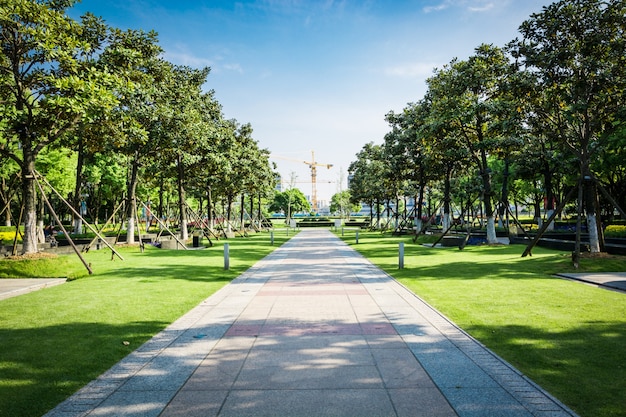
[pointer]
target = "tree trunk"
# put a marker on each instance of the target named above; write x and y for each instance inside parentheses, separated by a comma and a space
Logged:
(160, 212)
(488, 193)
(131, 207)
(590, 209)
(184, 235)
(260, 214)
(446, 221)
(229, 208)
(241, 211)
(41, 236)
(78, 223)
(537, 209)
(251, 214)
(5, 202)
(29, 240)
(396, 215)
(504, 198)
(547, 179)
(209, 208)
(417, 221)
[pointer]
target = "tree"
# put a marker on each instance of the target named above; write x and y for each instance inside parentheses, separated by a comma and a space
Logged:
(365, 175)
(289, 202)
(48, 87)
(466, 95)
(181, 129)
(340, 203)
(142, 106)
(578, 51)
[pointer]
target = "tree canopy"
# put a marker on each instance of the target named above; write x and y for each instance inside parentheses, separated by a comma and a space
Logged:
(546, 110)
(111, 101)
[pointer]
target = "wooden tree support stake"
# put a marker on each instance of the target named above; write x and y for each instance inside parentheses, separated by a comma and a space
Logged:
(36, 174)
(56, 218)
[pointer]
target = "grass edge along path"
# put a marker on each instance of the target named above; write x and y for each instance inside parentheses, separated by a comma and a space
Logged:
(568, 337)
(56, 340)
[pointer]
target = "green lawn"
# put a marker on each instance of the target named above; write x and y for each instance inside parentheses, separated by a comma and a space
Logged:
(54, 341)
(568, 337)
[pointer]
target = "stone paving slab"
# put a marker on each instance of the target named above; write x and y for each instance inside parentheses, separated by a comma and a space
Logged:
(10, 287)
(314, 329)
(613, 280)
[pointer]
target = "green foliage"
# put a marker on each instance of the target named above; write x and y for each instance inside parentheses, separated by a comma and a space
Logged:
(366, 173)
(58, 166)
(289, 202)
(615, 231)
(341, 203)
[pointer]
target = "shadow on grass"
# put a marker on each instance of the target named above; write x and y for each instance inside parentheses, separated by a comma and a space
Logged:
(583, 366)
(42, 366)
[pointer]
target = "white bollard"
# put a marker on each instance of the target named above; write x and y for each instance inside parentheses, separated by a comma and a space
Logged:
(357, 236)
(226, 257)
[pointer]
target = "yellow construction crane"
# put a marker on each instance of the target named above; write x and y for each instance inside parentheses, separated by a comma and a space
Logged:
(313, 165)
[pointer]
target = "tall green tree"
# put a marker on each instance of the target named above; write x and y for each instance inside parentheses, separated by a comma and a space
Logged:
(578, 50)
(365, 175)
(466, 95)
(143, 106)
(48, 86)
(341, 203)
(289, 202)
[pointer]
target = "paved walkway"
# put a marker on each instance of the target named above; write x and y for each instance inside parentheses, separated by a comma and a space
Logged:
(13, 287)
(613, 280)
(313, 329)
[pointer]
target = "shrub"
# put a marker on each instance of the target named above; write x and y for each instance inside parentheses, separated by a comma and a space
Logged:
(615, 230)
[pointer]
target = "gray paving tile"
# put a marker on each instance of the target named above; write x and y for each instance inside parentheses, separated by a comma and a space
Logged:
(309, 377)
(212, 376)
(134, 404)
(192, 403)
(421, 402)
(328, 356)
(309, 403)
(484, 402)
(352, 342)
(400, 369)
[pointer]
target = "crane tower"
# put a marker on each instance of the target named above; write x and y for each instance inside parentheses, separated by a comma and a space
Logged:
(313, 166)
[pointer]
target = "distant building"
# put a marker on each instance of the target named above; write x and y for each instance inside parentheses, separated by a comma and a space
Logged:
(279, 183)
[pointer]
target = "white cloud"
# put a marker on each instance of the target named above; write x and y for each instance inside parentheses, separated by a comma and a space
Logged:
(233, 67)
(437, 8)
(412, 70)
(474, 6)
(481, 8)
(183, 58)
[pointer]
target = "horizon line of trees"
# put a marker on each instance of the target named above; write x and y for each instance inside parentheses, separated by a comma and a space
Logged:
(530, 121)
(104, 118)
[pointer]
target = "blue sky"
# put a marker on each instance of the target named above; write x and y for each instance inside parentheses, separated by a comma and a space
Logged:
(318, 75)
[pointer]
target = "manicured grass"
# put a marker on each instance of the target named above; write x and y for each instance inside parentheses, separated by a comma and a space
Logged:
(568, 337)
(54, 341)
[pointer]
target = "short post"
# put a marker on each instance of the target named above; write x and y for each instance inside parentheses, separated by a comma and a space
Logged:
(401, 256)
(272, 238)
(226, 257)
(357, 236)
(342, 231)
